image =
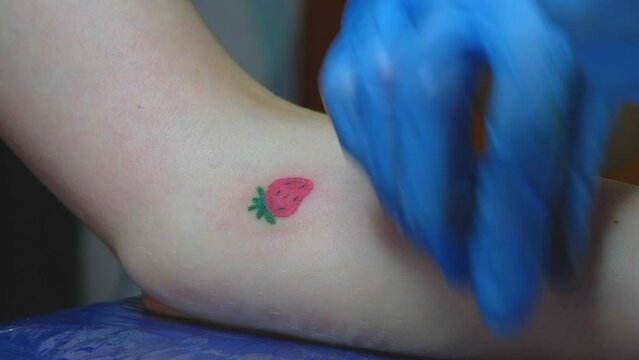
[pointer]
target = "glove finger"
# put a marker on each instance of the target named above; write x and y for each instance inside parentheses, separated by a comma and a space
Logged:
(376, 68)
(522, 170)
(589, 148)
(355, 86)
(381, 30)
(435, 160)
(339, 93)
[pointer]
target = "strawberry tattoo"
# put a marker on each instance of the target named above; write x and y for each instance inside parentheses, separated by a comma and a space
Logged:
(281, 199)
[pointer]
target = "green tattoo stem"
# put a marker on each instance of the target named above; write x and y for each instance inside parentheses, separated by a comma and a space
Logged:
(259, 206)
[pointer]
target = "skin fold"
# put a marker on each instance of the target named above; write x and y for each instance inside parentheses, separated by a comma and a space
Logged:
(133, 115)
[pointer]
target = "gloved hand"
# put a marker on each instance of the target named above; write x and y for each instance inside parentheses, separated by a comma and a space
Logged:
(397, 84)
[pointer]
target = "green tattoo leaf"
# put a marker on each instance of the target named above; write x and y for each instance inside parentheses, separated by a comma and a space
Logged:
(260, 213)
(260, 191)
(252, 207)
(270, 219)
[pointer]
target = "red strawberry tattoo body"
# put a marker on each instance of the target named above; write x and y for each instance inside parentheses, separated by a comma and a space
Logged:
(281, 199)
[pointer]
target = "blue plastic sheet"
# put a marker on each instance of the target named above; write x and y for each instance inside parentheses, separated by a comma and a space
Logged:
(125, 330)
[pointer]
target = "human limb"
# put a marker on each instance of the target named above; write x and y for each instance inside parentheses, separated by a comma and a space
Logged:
(373, 291)
(146, 130)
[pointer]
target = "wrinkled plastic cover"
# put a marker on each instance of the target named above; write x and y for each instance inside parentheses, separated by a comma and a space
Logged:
(125, 330)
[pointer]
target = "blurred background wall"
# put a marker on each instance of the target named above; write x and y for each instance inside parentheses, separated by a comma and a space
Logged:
(49, 260)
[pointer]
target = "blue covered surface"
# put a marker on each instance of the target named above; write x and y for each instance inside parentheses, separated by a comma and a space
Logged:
(125, 330)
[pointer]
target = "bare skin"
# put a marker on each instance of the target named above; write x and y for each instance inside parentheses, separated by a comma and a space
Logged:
(133, 116)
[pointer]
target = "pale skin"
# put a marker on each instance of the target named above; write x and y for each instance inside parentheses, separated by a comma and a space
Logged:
(134, 116)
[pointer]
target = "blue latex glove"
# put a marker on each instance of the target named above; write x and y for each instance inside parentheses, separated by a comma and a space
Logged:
(606, 36)
(397, 84)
